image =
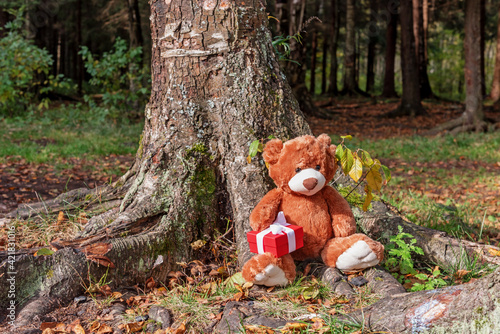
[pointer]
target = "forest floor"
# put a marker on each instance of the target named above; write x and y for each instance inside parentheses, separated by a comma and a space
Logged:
(450, 183)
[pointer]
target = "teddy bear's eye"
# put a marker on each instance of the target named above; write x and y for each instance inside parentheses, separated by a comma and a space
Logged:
(297, 170)
(318, 167)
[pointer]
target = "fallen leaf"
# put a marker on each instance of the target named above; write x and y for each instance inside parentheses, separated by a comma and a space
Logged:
(461, 273)
(180, 330)
(494, 252)
(134, 327)
(101, 260)
(60, 217)
(104, 329)
(100, 248)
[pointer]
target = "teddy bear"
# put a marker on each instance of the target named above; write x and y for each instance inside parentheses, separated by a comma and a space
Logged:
(302, 169)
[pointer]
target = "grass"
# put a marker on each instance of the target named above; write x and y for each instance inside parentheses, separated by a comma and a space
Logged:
(65, 132)
(482, 147)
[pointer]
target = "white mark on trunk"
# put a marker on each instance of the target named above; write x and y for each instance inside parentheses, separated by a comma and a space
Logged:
(222, 45)
(209, 4)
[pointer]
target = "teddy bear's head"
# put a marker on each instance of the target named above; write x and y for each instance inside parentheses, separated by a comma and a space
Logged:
(302, 165)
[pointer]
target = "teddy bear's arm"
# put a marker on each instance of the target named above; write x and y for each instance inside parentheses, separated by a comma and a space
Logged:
(342, 218)
(264, 214)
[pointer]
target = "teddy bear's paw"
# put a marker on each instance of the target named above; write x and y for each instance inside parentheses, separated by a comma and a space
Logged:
(358, 256)
(272, 275)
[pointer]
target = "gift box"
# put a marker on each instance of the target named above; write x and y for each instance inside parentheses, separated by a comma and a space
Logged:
(279, 239)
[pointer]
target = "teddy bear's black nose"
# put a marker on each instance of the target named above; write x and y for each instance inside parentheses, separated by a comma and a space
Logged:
(310, 183)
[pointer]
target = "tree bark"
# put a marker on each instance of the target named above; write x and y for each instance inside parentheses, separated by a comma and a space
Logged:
(389, 89)
(216, 88)
(495, 85)
(410, 101)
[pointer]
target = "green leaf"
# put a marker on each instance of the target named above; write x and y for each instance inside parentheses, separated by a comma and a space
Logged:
(347, 161)
(422, 277)
(44, 252)
(357, 169)
(235, 279)
(339, 152)
(366, 158)
(387, 172)
(348, 137)
(254, 148)
(310, 292)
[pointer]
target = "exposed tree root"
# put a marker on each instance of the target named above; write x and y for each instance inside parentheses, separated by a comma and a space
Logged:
(458, 125)
(466, 308)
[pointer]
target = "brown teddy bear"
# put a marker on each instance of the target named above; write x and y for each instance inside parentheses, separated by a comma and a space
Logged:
(302, 168)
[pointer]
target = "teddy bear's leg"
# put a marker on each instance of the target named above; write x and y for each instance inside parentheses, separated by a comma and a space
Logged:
(266, 269)
(354, 252)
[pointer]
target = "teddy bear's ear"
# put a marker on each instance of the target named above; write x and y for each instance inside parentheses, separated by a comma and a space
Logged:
(272, 151)
(325, 139)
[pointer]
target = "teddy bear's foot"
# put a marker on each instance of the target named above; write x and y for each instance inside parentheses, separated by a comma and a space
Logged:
(266, 269)
(358, 256)
(355, 252)
(272, 275)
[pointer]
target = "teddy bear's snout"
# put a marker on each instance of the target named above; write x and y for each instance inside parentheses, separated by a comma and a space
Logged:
(310, 183)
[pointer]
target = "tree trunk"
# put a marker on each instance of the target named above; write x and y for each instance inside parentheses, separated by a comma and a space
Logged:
(473, 117)
(134, 24)
(421, 49)
(482, 45)
(333, 89)
(324, 62)
(372, 40)
(216, 88)
(314, 50)
(410, 101)
(389, 89)
(495, 86)
(350, 84)
(79, 71)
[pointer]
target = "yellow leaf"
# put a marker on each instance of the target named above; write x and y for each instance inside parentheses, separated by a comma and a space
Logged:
(346, 161)
(374, 179)
(368, 198)
(357, 169)
(249, 159)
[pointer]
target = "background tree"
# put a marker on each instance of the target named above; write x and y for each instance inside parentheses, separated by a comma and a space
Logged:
(495, 85)
(473, 116)
(389, 89)
(410, 100)
(350, 84)
(420, 24)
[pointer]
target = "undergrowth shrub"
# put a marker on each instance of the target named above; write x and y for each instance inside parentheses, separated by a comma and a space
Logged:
(24, 70)
(120, 84)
